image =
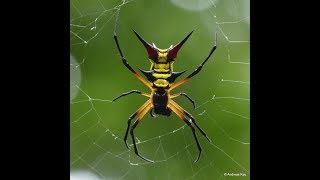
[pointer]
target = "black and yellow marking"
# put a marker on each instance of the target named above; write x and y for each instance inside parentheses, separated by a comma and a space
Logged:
(161, 73)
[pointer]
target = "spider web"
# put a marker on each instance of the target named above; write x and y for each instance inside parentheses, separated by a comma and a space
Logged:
(221, 90)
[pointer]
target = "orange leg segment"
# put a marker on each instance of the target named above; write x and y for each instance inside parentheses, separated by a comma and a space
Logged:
(138, 112)
(185, 95)
(143, 112)
(186, 113)
(181, 116)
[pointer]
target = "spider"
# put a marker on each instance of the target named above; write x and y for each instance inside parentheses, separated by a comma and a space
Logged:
(160, 81)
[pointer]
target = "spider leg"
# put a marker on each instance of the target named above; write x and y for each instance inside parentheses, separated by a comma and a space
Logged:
(130, 92)
(139, 111)
(181, 116)
(125, 62)
(144, 111)
(185, 95)
(179, 108)
(197, 70)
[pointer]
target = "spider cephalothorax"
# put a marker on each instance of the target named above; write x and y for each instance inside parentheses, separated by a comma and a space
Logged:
(161, 81)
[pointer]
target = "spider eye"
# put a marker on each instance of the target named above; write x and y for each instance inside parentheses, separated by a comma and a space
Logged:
(173, 51)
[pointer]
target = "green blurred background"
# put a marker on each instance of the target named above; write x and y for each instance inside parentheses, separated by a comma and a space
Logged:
(98, 75)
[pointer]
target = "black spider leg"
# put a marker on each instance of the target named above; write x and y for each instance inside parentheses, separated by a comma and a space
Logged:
(130, 119)
(125, 62)
(185, 95)
(144, 111)
(191, 117)
(197, 70)
(130, 92)
(181, 116)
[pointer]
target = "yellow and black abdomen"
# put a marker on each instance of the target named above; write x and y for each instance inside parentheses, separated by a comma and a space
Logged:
(161, 75)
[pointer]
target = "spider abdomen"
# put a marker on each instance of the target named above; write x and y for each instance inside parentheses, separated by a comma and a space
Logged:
(160, 99)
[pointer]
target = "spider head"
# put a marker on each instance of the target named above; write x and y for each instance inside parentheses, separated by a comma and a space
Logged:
(162, 55)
